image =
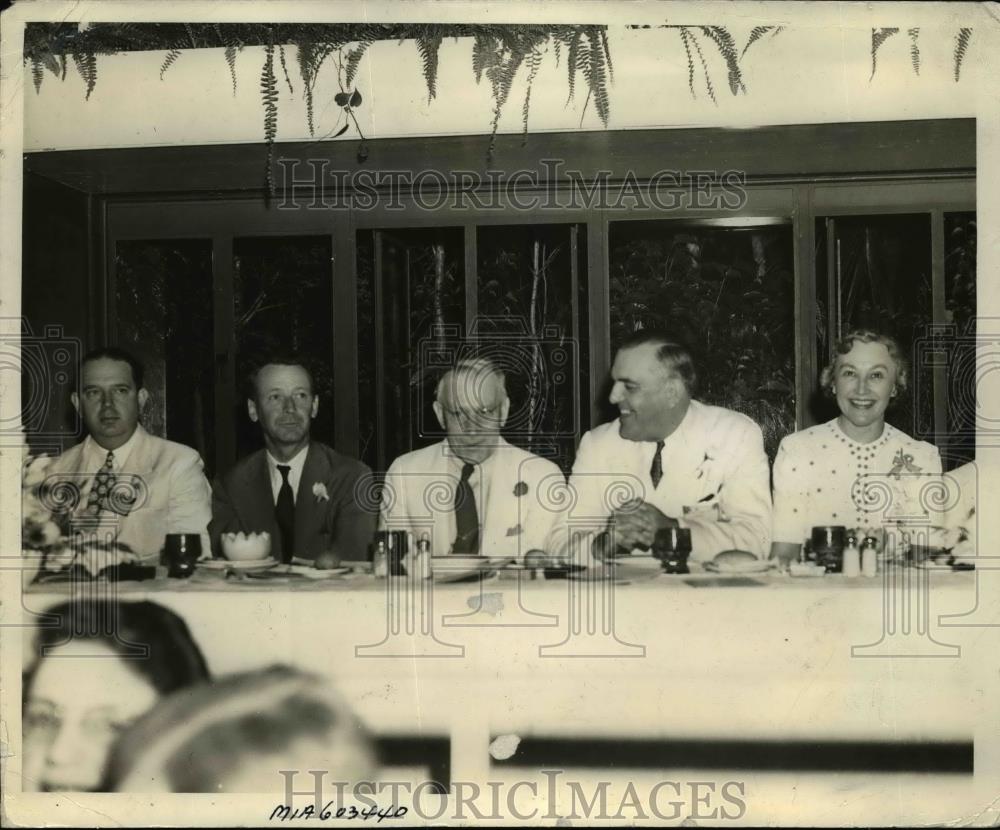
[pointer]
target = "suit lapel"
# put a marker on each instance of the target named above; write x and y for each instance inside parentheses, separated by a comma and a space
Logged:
(497, 518)
(307, 510)
(255, 497)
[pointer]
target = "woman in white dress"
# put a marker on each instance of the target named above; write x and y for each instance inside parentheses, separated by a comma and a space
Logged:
(856, 470)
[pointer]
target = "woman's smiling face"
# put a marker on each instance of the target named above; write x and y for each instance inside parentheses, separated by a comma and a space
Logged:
(864, 381)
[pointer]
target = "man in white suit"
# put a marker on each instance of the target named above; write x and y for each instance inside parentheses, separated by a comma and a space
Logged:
(472, 493)
(140, 486)
(668, 460)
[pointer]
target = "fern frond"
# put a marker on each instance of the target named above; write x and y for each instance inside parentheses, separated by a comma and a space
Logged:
(597, 78)
(690, 59)
(483, 48)
(304, 55)
(284, 68)
(727, 48)
(607, 54)
(572, 62)
(961, 47)
(169, 60)
(756, 33)
(880, 36)
(231, 61)
(534, 62)
(428, 48)
(704, 66)
(36, 73)
(914, 35)
(269, 98)
(86, 65)
(354, 61)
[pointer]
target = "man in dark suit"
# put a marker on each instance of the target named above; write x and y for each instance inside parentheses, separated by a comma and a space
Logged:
(305, 494)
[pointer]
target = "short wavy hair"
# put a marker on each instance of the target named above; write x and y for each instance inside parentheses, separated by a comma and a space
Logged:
(671, 351)
(846, 343)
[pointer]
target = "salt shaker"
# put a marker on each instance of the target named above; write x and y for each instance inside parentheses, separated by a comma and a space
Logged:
(422, 564)
(869, 557)
(852, 557)
(380, 561)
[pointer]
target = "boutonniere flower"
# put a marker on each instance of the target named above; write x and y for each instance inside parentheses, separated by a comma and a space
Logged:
(319, 491)
(520, 489)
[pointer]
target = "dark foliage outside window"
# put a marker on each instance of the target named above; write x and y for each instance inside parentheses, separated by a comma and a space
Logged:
(282, 289)
(163, 302)
(729, 293)
(881, 281)
(526, 307)
(411, 295)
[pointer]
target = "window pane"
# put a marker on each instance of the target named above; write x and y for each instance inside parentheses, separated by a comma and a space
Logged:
(960, 303)
(163, 304)
(881, 280)
(729, 293)
(283, 301)
(411, 294)
(528, 275)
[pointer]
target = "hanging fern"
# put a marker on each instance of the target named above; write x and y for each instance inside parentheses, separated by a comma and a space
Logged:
(961, 46)
(354, 61)
(269, 96)
(690, 60)
(534, 61)
(284, 69)
(756, 33)
(720, 36)
(428, 48)
(36, 73)
(880, 36)
(169, 60)
(914, 34)
(596, 76)
(86, 65)
(231, 61)
(607, 54)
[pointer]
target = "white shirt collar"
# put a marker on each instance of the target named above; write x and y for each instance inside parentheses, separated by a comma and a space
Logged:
(297, 462)
(96, 455)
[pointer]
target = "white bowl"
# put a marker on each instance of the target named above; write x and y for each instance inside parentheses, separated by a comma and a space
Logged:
(244, 547)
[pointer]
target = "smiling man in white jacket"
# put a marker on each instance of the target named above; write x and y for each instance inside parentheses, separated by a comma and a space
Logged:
(669, 460)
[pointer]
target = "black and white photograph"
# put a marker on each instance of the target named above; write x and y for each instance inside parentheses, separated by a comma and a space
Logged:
(470, 414)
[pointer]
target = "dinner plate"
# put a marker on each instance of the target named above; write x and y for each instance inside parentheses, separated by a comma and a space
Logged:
(318, 573)
(235, 565)
(461, 568)
(759, 566)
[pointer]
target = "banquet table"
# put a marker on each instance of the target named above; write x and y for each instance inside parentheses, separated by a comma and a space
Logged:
(839, 676)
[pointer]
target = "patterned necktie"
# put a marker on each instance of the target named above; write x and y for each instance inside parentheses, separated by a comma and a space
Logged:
(100, 490)
(466, 517)
(656, 468)
(284, 512)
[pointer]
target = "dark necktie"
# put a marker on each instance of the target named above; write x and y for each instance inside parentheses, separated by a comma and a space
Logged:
(100, 490)
(284, 512)
(656, 468)
(466, 518)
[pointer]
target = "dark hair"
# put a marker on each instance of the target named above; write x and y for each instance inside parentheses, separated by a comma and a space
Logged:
(115, 353)
(846, 343)
(200, 736)
(153, 640)
(672, 352)
(277, 358)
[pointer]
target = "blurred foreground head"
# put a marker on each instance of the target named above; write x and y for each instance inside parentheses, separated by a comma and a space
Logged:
(234, 735)
(99, 667)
